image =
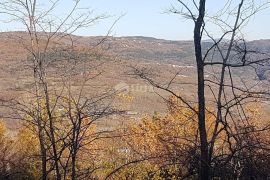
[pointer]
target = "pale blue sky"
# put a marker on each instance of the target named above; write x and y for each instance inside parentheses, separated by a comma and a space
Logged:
(147, 18)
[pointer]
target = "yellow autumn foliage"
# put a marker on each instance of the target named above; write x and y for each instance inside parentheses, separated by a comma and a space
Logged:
(171, 137)
(159, 147)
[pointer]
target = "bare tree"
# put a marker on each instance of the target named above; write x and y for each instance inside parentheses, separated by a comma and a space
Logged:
(225, 56)
(51, 42)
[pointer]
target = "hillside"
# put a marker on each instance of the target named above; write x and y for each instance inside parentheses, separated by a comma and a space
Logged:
(163, 57)
(128, 48)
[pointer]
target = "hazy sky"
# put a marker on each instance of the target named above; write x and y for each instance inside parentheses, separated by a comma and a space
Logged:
(147, 18)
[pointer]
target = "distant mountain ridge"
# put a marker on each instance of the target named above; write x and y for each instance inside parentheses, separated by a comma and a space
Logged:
(132, 48)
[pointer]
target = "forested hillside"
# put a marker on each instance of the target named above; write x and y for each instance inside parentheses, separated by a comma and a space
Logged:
(102, 107)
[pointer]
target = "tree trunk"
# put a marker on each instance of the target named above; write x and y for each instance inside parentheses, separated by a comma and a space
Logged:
(74, 152)
(204, 172)
(52, 133)
(75, 143)
(42, 152)
(73, 164)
